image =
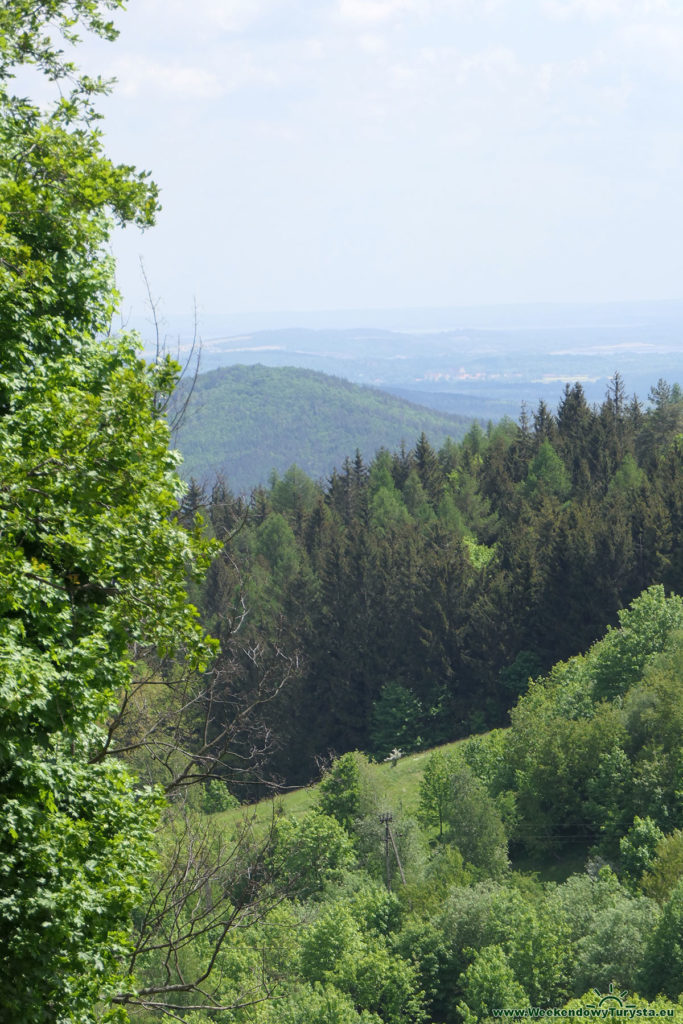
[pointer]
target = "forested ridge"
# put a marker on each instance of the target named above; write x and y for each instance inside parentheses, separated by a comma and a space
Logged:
(510, 598)
(418, 593)
(246, 421)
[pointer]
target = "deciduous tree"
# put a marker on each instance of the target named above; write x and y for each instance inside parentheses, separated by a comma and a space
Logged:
(92, 564)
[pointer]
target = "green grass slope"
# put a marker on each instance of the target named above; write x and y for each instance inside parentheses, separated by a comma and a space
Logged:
(245, 421)
(397, 785)
(398, 789)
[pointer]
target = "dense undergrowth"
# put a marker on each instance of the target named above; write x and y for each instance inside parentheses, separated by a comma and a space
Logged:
(441, 924)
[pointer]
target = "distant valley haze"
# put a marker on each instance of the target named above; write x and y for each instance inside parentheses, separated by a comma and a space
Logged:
(474, 361)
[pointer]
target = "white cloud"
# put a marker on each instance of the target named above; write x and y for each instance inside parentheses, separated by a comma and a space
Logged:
(205, 16)
(138, 77)
(492, 63)
(487, 110)
(594, 10)
(550, 74)
(372, 12)
(372, 42)
(144, 78)
(655, 47)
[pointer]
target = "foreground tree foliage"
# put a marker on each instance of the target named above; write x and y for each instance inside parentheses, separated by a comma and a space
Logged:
(92, 564)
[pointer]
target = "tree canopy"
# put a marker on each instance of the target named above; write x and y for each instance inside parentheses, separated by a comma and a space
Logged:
(93, 566)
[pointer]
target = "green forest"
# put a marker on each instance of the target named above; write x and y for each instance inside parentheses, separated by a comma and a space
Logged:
(414, 597)
(400, 748)
(246, 421)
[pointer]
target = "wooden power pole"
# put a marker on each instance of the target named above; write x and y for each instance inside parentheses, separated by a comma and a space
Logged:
(385, 819)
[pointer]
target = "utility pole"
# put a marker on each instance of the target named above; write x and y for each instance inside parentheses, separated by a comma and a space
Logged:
(385, 819)
(389, 840)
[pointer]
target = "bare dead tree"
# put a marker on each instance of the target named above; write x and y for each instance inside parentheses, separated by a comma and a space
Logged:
(175, 404)
(183, 727)
(207, 887)
(180, 727)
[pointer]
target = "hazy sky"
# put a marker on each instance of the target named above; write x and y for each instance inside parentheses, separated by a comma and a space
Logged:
(384, 153)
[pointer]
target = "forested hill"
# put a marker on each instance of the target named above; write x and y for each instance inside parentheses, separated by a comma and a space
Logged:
(414, 596)
(245, 421)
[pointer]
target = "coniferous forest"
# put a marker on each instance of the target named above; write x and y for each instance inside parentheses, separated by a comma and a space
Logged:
(405, 748)
(416, 595)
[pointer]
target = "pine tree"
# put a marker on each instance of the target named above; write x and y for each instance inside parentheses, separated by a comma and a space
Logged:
(428, 469)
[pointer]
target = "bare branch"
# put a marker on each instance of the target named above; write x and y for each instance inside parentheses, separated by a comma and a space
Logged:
(189, 372)
(207, 888)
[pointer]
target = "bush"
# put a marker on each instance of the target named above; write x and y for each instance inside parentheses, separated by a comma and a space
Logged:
(311, 853)
(619, 659)
(346, 792)
(217, 797)
(665, 869)
(489, 983)
(474, 823)
(637, 848)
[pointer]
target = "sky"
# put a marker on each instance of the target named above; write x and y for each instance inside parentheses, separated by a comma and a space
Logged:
(348, 154)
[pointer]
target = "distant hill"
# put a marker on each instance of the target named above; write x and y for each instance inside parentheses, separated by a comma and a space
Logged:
(494, 406)
(245, 421)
